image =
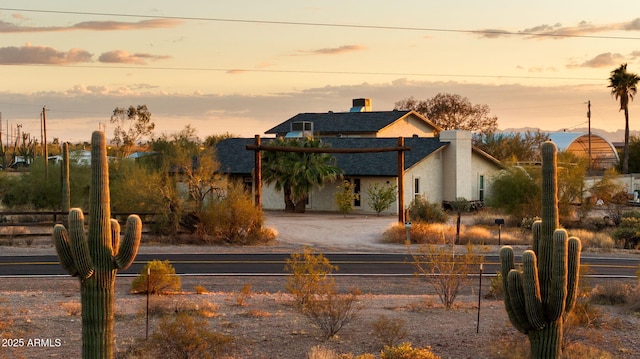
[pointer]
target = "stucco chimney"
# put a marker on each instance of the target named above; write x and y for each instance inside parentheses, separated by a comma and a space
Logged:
(457, 165)
(361, 105)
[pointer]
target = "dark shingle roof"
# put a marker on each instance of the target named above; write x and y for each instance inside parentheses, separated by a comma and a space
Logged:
(342, 122)
(234, 158)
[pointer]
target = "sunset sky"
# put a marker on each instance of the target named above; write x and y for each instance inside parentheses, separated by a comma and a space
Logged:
(242, 67)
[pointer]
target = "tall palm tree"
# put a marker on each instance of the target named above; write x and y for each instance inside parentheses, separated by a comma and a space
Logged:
(297, 173)
(623, 86)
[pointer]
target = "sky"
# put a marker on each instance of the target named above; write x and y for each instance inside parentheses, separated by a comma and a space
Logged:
(241, 67)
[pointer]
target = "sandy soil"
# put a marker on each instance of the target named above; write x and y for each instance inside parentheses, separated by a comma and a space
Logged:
(40, 311)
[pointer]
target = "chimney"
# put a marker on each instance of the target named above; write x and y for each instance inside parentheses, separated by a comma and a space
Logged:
(361, 105)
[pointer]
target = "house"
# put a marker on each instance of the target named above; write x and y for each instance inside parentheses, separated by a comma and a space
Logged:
(440, 165)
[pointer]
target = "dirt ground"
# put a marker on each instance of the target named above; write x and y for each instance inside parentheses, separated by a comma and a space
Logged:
(41, 313)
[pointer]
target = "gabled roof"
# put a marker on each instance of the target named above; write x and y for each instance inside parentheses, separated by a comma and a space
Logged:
(235, 159)
(346, 122)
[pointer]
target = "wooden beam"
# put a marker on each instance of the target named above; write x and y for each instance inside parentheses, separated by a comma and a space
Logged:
(257, 174)
(325, 149)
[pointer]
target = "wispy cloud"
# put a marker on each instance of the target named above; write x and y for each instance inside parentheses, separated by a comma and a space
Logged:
(7, 27)
(557, 31)
(124, 57)
(332, 50)
(28, 54)
(606, 59)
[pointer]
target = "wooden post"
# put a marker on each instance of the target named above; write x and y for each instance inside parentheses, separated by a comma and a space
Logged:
(258, 173)
(401, 180)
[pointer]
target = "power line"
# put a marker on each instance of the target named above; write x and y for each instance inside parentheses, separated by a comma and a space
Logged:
(317, 72)
(356, 26)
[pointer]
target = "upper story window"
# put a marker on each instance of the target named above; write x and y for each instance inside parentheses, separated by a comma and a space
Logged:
(302, 126)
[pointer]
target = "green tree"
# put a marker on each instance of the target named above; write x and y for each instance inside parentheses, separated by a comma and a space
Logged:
(132, 125)
(183, 161)
(512, 147)
(634, 154)
(297, 173)
(623, 86)
(515, 192)
(452, 112)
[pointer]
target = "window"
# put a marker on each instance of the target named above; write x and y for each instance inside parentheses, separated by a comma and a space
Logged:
(416, 187)
(481, 188)
(302, 126)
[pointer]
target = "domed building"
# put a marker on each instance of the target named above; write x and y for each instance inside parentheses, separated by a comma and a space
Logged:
(603, 153)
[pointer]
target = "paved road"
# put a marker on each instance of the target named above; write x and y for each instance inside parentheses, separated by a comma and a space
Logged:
(273, 264)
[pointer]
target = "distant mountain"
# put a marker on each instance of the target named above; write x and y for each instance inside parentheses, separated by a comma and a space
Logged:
(617, 136)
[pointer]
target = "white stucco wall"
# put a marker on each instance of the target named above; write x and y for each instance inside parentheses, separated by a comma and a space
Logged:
(408, 126)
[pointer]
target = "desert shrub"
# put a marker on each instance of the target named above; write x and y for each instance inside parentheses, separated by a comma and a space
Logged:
(432, 233)
(496, 290)
(405, 351)
(234, 219)
(320, 352)
(162, 279)
(594, 240)
(308, 275)
(161, 306)
(581, 351)
(199, 289)
(627, 234)
(610, 293)
(331, 311)
(72, 308)
(345, 196)
(447, 272)
(389, 331)
(381, 196)
(244, 294)
(184, 336)
(316, 292)
(421, 210)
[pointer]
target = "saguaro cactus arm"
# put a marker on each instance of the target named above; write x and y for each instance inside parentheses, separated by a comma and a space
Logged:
(128, 249)
(63, 248)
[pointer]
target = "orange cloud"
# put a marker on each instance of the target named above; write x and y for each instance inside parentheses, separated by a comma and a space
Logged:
(606, 59)
(124, 57)
(13, 55)
(558, 31)
(334, 50)
(6, 27)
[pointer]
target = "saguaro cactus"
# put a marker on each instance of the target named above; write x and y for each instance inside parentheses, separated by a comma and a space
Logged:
(64, 173)
(539, 297)
(95, 256)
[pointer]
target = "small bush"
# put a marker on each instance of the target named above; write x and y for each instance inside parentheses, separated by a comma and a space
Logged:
(381, 196)
(309, 275)
(331, 311)
(184, 336)
(447, 272)
(590, 239)
(244, 294)
(316, 292)
(199, 289)
(610, 293)
(320, 352)
(162, 279)
(72, 308)
(405, 351)
(234, 219)
(496, 290)
(389, 331)
(421, 210)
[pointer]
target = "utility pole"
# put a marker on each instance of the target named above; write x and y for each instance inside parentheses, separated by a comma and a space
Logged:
(589, 126)
(46, 150)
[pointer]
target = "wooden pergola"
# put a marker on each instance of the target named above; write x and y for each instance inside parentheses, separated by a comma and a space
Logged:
(257, 147)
